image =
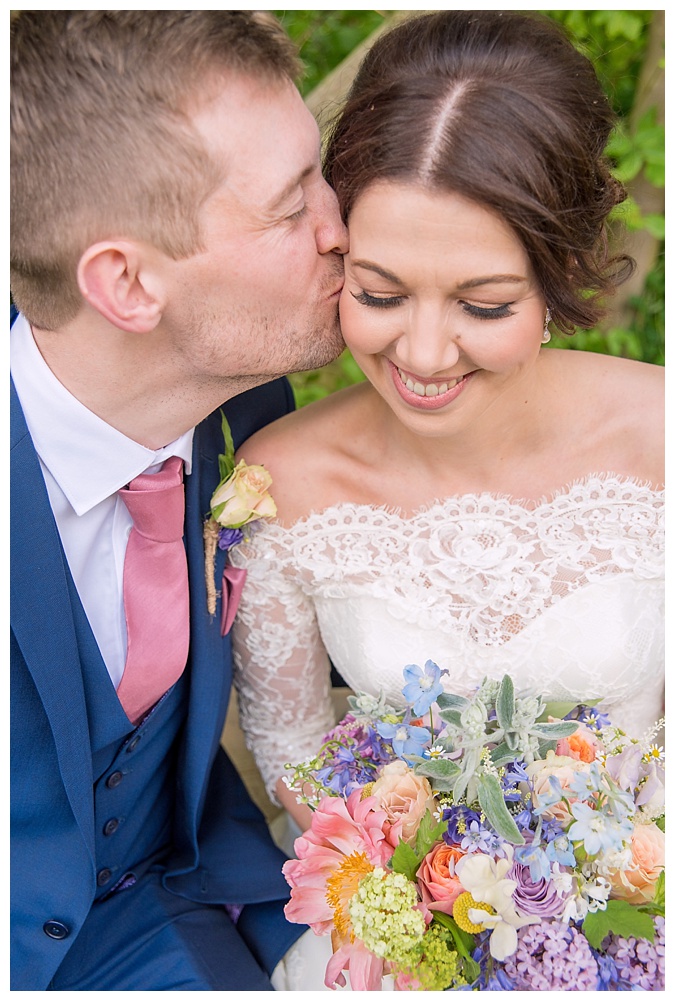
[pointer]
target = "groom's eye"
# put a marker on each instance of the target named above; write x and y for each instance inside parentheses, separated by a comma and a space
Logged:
(387, 302)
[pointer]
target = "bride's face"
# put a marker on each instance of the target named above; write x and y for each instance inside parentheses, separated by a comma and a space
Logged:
(440, 307)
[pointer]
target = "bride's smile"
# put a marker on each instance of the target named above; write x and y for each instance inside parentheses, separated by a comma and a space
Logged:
(440, 308)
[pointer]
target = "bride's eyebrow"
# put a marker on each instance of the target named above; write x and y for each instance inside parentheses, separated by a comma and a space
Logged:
(491, 280)
(369, 266)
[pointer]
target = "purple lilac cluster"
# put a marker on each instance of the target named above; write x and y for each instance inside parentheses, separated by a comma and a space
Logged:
(354, 754)
(228, 537)
(552, 956)
(641, 965)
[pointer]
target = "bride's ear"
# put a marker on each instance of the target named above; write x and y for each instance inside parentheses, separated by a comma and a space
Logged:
(117, 279)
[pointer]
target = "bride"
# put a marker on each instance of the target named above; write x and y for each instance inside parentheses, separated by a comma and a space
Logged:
(481, 501)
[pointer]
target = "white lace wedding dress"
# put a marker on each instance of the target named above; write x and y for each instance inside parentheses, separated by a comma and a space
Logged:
(565, 595)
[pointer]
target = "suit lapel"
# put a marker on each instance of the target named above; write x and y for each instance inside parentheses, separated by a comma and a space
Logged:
(42, 619)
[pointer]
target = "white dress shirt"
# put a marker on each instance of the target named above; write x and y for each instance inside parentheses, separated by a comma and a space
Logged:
(84, 462)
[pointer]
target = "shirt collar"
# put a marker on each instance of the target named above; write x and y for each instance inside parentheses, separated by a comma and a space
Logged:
(89, 459)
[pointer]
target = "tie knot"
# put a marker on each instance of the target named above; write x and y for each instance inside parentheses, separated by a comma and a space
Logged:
(156, 502)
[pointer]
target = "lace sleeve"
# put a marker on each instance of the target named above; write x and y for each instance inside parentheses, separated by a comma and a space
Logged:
(282, 671)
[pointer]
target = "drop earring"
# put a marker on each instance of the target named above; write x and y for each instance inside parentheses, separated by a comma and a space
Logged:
(547, 333)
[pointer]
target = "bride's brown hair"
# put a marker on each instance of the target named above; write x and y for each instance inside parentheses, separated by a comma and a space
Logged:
(498, 107)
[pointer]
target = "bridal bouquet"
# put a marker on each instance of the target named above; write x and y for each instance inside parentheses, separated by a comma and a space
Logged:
(486, 843)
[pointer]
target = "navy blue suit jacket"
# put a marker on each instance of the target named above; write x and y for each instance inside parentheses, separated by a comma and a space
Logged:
(221, 847)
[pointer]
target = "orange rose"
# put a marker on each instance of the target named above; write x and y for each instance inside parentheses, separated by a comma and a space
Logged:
(582, 745)
(405, 798)
(648, 850)
(436, 878)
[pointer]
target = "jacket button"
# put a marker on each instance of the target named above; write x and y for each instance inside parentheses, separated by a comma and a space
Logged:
(110, 826)
(114, 780)
(56, 929)
(103, 876)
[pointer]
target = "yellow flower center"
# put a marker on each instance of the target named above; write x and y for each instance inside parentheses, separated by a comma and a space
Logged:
(460, 912)
(341, 887)
(367, 790)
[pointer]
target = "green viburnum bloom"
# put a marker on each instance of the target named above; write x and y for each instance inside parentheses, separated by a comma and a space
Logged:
(384, 915)
(436, 965)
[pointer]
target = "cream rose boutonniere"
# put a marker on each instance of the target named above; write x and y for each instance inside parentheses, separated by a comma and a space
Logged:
(241, 498)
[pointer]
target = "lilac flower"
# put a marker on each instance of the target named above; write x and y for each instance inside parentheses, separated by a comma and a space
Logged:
(405, 739)
(640, 964)
(423, 687)
(228, 537)
(552, 956)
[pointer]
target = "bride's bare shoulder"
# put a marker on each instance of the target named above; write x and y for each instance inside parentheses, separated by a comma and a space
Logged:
(625, 401)
(308, 452)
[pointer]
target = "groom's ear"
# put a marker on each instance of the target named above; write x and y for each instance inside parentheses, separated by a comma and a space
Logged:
(117, 278)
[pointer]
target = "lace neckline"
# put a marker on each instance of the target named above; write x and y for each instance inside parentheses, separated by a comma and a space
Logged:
(582, 489)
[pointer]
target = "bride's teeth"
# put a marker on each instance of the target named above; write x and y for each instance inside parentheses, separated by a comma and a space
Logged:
(430, 390)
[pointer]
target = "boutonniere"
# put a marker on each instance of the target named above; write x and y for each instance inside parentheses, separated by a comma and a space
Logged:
(240, 499)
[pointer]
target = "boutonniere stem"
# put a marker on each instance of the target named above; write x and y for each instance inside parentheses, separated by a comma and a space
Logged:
(241, 498)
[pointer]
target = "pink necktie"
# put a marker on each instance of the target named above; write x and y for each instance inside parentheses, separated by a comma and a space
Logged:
(155, 587)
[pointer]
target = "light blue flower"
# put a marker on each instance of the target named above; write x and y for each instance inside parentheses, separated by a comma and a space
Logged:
(598, 832)
(536, 860)
(559, 850)
(547, 799)
(424, 686)
(405, 739)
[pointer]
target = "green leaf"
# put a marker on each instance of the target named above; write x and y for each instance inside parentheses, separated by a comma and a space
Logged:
(554, 731)
(438, 768)
(558, 710)
(404, 860)
(452, 716)
(502, 754)
(619, 918)
(661, 823)
(428, 833)
(445, 701)
(464, 943)
(505, 703)
(226, 460)
(491, 800)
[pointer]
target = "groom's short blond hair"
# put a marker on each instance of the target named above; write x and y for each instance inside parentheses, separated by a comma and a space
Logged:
(102, 144)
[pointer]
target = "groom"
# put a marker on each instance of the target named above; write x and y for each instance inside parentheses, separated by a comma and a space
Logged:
(174, 246)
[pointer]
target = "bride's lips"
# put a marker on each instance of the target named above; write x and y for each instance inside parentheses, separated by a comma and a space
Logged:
(442, 392)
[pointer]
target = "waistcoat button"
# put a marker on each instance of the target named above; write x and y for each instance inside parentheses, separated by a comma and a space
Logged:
(133, 743)
(114, 780)
(56, 929)
(111, 826)
(104, 876)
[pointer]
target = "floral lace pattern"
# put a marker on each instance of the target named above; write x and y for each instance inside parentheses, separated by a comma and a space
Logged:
(568, 588)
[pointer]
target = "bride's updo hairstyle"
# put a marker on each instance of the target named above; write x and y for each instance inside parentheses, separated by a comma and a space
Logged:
(500, 108)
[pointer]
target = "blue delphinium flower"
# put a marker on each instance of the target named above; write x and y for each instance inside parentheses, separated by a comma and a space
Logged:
(405, 739)
(423, 686)
(459, 818)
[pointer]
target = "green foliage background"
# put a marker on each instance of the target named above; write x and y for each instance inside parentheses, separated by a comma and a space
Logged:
(616, 41)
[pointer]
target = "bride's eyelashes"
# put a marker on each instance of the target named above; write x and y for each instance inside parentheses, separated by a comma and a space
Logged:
(480, 312)
(370, 300)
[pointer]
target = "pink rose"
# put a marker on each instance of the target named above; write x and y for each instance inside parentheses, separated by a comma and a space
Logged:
(648, 850)
(582, 745)
(436, 878)
(404, 797)
(564, 769)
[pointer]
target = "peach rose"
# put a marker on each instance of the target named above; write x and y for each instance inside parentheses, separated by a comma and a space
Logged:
(243, 497)
(582, 745)
(405, 798)
(648, 850)
(563, 768)
(436, 878)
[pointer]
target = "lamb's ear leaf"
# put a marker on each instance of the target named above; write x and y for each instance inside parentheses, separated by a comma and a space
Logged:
(491, 800)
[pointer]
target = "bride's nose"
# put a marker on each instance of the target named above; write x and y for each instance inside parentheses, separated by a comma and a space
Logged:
(427, 346)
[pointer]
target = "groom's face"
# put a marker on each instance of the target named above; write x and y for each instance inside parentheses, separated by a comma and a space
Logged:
(261, 296)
